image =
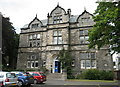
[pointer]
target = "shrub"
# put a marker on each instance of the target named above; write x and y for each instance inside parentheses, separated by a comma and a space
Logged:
(94, 74)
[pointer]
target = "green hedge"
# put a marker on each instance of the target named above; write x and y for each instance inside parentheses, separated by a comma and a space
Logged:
(94, 74)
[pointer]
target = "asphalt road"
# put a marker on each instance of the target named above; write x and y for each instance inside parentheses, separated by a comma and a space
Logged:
(61, 83)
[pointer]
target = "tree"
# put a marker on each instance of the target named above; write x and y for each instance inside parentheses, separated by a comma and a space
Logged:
(9, 44)
(106, 31)
(66, 60)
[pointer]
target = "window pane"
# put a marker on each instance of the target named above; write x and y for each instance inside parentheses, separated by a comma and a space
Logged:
(32, 64)
(55, 33)
(83, 55)
(35, 25)
(59, 33)
(88, 64)
(55, 40)
(86, 39)
(34, 44)
(38, 43)
(59, 40)
(82, 63)
(82, 39)
(88, 55)
(36, 64)
(34, 36)
(54, 17)
(30, 37)
(93, 63)
(93, 55)
(58, 21)
(30, 44)
(86, 32)
(81, 32)
(38, 36)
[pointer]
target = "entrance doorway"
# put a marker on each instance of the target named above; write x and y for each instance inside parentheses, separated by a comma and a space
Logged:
(57, 68)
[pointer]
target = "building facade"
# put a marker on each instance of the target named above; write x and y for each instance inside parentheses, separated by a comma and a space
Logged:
(41, 41)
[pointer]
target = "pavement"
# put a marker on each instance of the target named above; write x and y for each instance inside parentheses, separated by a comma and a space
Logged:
(77, 83)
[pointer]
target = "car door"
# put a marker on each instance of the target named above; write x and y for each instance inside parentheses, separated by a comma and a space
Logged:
(12, 77)
(37, 76)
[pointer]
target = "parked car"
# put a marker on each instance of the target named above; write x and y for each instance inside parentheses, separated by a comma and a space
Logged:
(1, 83)
(24, 79)
(39, 77)
(8, 79)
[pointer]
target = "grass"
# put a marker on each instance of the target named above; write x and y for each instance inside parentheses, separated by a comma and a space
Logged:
(91, 80)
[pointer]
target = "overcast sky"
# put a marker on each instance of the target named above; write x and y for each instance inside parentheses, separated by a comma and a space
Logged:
(22, 12)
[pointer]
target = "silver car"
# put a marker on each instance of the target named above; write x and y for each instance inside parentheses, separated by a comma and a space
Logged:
(8, 79)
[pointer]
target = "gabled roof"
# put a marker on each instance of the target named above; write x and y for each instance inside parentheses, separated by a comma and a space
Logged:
(34, 20)
(57, 8)
(83, 14)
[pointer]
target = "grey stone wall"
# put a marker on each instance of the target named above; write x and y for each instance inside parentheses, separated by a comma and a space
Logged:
(47, 51)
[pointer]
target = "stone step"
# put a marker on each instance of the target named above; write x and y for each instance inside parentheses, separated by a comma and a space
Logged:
(55, 76)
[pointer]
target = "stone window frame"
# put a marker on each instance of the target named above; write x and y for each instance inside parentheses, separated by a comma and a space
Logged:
(44, 63)
(36, 25)
(57, 37)
(89, 62)
(83, 36)
(34, 39)
(85, 19)
(57, 19)
(32, 64)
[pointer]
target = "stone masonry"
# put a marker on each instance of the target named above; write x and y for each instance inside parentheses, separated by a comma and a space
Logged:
(41, 41)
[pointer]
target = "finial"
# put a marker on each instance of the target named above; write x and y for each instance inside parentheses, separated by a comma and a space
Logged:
(48, 15)
(84, 8)
(36, 15)
(58, 4)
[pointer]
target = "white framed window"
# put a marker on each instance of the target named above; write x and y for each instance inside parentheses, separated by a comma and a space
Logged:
(87, 60)
(34, 64)
(84, 36)
(57, 19)
(57, 37)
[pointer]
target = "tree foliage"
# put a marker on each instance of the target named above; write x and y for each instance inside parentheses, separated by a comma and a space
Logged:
(9, 44)
(106, 30)
(66, 60)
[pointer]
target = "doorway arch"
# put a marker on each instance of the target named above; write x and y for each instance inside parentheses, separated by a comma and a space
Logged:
(57, 66)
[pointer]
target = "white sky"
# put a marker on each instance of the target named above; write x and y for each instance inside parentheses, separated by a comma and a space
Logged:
(22, 12)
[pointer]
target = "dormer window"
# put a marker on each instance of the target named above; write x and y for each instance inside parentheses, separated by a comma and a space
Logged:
(57, 19)
(35, 25)
(85, 19)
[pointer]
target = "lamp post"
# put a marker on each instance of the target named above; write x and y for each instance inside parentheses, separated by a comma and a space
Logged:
(0, 41)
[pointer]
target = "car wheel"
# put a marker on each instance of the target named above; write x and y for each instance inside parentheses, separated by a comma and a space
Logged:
(20, 83)
(35, 81)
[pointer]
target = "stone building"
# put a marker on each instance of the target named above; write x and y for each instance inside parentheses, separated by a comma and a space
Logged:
(41, 41)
